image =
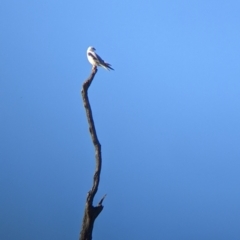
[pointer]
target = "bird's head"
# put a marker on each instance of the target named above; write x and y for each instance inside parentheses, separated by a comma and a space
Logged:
(91, 49)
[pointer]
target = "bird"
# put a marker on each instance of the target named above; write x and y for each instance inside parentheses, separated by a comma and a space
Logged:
(95, 60)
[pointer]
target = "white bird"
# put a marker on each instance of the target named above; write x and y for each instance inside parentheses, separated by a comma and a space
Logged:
(95, 60)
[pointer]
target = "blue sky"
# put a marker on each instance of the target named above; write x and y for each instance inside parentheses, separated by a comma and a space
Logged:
(167, 118)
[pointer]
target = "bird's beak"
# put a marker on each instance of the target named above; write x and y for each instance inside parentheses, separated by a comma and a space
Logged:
(94, 49)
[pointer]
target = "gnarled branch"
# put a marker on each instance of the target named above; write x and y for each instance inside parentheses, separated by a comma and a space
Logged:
(91, 212)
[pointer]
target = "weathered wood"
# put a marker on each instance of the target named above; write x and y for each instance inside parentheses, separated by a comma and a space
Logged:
(91, 212)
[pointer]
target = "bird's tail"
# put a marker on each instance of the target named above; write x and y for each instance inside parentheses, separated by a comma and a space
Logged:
(107, 66)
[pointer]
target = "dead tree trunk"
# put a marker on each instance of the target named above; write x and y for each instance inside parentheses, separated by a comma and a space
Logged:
(91, 212)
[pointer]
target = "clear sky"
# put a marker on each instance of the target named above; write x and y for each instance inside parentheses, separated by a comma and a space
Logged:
(168, 118)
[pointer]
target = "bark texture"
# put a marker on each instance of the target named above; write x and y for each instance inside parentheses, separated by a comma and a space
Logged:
(91, 212)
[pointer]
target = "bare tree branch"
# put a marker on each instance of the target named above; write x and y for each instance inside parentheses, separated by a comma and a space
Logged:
(91, 212)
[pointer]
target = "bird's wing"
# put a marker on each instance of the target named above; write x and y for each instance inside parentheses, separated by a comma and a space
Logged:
(99, 58)
(93, 55)
(99, 61)
(103, 63)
